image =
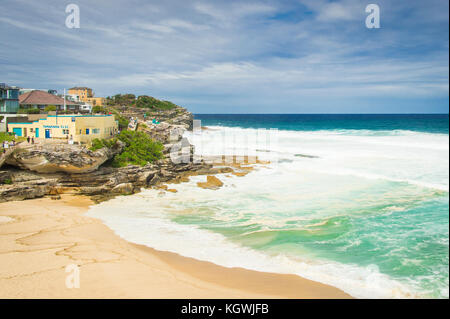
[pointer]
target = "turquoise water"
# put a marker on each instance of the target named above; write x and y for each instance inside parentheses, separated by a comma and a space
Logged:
(405, 237)
(430, 123)
(358, 202)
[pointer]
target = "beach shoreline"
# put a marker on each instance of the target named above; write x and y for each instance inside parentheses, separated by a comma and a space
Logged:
(41, 237)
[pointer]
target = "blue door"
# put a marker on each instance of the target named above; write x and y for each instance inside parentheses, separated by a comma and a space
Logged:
(87, 131)
(37, 132)
(17, 131)
(47, 134)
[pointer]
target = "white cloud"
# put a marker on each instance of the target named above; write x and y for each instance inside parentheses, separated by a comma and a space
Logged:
(345, 10)
(239, 50)
(335, 11)
(182, 24)
(48, 31)
(233, 11)
(154, 27)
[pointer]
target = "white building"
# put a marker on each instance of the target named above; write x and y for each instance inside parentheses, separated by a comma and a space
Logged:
(86, 107)
(73, 97)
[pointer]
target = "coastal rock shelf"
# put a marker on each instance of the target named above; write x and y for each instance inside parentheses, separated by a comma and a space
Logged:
(52, 169)
(212, 182)
(51, 158)
(102, 184)
(178, 116)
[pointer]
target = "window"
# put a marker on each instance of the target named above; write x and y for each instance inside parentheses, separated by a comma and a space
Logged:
(66, 132)
(96, 131)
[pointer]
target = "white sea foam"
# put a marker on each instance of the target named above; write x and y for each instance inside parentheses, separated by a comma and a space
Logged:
(142, 219)
(338, 173)
(400, 156)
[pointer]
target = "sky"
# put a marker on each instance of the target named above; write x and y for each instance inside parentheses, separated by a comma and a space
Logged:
(267, 56)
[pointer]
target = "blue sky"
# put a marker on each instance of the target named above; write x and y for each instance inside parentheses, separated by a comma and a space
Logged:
(303, 56)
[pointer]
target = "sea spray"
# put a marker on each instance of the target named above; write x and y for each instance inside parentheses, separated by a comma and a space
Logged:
(365, 211)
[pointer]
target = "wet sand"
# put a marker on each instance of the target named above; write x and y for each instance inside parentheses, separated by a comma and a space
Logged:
(39, 238)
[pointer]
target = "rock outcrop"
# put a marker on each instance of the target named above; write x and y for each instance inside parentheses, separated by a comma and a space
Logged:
(124, 188)
(51, 158)
(176, 116)
(4, 156)
(22, 186)
(176, 147)
(54, 169)
(212, 182)
(102, 184)
(163, 132)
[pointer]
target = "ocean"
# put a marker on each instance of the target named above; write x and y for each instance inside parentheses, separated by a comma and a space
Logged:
(360, 202)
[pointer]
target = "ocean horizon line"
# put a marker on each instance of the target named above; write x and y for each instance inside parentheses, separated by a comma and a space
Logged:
(321, 114)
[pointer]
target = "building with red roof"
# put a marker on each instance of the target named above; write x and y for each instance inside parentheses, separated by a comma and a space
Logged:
(40, 99)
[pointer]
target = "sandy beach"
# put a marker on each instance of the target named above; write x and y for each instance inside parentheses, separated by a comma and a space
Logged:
(40, 238)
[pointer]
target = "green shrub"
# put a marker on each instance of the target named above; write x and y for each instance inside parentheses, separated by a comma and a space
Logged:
(123, 122)
(121, 99)
(29, 111)
(97, 144)
(101, 143)
(50, 108)
(99, 109)
(149, 102)
(7, 181)
(6, 137)
(140, 149)
(143, 101)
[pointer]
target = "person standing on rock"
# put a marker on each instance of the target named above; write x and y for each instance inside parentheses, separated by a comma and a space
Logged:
(28, 140)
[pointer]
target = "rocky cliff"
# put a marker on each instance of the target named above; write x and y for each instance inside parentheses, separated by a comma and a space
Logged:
(52, 169)
(176, 116)
(51, 158)
(101, 184)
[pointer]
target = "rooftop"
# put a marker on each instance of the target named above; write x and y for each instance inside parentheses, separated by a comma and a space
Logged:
(42, 98)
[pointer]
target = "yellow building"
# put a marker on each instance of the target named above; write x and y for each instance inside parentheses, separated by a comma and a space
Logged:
(85, 94)
(82, 92)
(76, 128)
(100, 101)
